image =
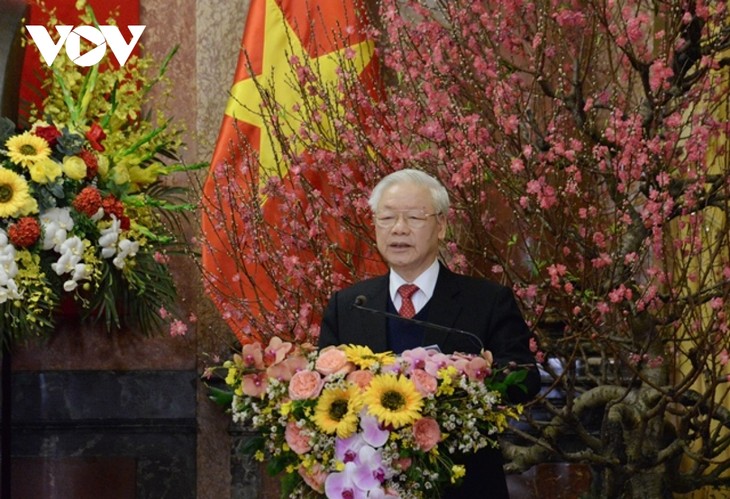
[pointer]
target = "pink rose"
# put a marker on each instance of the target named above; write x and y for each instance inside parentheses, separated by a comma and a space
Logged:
(305, 385)
(254, 385)
(426, 433)
(314, 477)
(296, 439)
(360, 378)
(425, 383)
(331, 361)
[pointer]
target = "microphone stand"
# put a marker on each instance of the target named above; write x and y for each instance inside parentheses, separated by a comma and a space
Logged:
(360, 301)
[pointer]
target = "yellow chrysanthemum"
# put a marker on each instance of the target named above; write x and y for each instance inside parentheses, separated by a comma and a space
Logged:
(26, 148)
(14, 194)
(364, 358)
(336, 411)
(393, 400)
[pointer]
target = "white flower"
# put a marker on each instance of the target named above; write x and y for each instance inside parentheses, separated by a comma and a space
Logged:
(111, 245)
(127, 248)
(109, 237)
(9, 292)
(56, 223)
(72, 250)
(8, 270)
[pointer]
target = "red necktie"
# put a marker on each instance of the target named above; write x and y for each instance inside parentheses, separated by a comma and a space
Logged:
(406, 308)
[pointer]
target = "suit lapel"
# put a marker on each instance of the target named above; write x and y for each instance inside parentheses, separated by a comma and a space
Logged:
(373, 326)
(444, 307)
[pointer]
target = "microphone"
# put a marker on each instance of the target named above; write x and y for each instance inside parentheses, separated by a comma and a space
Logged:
(361, 301)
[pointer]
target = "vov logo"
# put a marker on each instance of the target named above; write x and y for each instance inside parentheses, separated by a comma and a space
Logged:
(71, 37)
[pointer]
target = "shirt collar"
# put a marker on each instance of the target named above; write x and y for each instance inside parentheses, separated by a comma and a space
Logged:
(426, 283)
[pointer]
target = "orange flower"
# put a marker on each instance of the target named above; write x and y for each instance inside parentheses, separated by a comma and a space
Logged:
(88, 201)
(112, 206)
(25, 232)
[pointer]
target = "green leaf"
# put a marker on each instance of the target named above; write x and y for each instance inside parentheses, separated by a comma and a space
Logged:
(220, 396)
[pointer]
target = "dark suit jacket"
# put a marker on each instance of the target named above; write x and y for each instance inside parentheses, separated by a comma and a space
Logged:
(477, 306)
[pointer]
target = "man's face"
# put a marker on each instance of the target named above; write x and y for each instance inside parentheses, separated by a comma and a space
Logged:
(409, 250)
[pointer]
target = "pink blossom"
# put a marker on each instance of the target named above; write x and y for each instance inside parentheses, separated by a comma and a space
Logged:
(556, 271)
(724, 357)
(161, 258)
(178, 328)
(659, 74)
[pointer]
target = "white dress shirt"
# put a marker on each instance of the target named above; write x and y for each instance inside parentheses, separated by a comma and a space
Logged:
(426, 283)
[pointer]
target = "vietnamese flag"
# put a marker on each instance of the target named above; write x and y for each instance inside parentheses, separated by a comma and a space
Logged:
(277, 32)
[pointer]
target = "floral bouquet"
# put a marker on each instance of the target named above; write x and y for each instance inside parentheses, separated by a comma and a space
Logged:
(81, 200)
(347, 422)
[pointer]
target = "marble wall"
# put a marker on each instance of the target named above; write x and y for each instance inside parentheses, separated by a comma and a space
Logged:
(124, 414)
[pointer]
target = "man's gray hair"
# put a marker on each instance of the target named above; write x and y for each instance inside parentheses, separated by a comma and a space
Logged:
(439, 194)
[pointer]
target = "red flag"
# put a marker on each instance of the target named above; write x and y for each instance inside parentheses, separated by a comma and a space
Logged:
(278, 35)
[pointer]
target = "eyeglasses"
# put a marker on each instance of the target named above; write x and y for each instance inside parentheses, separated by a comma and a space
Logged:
(413, 219)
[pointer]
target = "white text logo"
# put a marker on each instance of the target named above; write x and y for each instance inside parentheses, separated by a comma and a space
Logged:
(71, 37)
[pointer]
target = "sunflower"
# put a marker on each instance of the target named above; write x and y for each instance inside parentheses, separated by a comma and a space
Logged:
(336, 411)
(26, 148)
(394, 400)
(14, 194)
(364, 358)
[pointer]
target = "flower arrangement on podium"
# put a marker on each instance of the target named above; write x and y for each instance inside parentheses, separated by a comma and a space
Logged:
(347, 422)
(84, 216)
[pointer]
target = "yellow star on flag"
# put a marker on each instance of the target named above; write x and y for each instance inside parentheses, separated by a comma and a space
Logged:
(278, 80)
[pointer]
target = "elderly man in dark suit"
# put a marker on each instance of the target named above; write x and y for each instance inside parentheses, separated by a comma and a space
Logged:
(410, 209)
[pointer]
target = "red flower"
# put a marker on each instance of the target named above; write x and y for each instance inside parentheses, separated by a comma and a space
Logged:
(88, 201)
(112, 206)
(92, 164)
(95, 135)
(25, 232)
(49, 133)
